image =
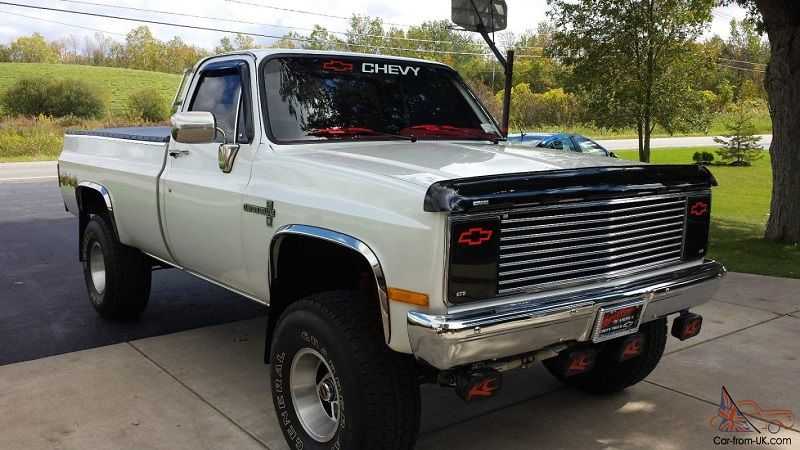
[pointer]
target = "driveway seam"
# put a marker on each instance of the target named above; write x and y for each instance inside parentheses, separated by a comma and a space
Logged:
(701, 399)
(749, 306)
(777, 316)
(200, 397)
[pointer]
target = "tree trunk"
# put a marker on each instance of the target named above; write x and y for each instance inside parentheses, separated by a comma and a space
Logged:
(640, 133)
(644, 154)
(782, 22)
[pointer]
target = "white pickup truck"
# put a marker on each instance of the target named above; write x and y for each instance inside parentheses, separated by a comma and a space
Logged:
(373, 204)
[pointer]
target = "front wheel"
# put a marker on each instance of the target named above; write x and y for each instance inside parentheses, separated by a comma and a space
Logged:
(610, 375)
(335, 383)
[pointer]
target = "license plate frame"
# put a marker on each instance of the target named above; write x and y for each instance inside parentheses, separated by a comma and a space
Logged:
(618, 320)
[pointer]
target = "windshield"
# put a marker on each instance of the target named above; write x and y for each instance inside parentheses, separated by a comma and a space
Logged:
(322, 98)
(589, 146)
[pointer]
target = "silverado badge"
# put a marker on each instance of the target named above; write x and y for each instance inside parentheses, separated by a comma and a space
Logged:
(268, 211)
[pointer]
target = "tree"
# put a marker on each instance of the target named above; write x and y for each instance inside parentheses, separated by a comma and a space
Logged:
(632, 60)
(143, 50)
(225, 46)
(740, 146)
(780, 19)
(32, 49)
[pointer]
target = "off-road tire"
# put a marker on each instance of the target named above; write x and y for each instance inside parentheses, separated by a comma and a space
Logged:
(127, 277)
(609, 375)
(378, 387)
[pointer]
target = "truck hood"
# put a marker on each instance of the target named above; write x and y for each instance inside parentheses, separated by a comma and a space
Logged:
(426, 162)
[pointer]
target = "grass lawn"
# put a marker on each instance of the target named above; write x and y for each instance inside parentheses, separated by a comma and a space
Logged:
(740, 208)
(114, 84)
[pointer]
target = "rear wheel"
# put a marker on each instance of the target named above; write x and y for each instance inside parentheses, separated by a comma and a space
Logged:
(117, 276)
(335, 383)
(610, 375)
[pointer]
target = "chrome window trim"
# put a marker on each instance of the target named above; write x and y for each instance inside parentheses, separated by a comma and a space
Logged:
(345, 241)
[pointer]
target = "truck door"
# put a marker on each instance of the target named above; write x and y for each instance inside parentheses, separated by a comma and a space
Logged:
(203, 203)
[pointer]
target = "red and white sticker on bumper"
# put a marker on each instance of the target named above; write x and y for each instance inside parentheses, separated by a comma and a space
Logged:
(618, 320)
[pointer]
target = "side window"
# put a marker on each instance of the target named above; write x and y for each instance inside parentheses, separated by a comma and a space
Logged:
(566, 143)
(556, 144)
(220, 93)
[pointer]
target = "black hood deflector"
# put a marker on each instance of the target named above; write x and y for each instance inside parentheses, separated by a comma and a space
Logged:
(510, 190)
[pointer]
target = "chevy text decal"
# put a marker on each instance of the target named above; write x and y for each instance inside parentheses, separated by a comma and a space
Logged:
(367, 67)
(393, 69)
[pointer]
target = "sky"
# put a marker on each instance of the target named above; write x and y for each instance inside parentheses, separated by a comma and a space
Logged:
(17, 21)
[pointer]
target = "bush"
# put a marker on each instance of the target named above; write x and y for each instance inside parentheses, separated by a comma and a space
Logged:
(148, 105)
(23, 139)
(554, 107)
(57, 98)
(704, 158)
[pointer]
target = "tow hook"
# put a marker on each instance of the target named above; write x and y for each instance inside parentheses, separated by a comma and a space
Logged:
(687, 325)
(478, 384)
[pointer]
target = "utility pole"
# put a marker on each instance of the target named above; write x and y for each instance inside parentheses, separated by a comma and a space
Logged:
(508, 68)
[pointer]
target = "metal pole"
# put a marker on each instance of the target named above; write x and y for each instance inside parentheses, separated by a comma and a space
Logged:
(509, 68)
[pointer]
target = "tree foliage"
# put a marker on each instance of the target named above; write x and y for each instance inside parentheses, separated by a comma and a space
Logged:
(632, 60)
(32, 49)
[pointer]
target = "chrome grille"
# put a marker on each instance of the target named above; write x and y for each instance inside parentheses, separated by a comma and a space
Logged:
(569, 243)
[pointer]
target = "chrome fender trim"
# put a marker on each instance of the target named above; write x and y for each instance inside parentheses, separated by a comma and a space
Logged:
(345, 241)
(101, 189)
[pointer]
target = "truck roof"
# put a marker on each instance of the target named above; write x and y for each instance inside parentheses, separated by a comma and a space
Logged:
(261, 53)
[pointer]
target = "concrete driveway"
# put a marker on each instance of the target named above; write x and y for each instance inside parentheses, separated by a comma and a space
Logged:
(207, 388)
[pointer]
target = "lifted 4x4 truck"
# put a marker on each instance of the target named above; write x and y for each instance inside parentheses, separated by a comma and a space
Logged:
(373, 204)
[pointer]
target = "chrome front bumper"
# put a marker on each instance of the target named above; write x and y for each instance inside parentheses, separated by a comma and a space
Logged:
(455, 339)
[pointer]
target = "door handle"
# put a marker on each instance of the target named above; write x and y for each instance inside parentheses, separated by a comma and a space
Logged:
(178, 153)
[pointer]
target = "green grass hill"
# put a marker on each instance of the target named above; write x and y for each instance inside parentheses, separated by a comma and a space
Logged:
(114, 84)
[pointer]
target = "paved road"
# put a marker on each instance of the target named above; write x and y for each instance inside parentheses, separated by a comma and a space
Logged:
(672, 142)
(43, 305)
(28, 171)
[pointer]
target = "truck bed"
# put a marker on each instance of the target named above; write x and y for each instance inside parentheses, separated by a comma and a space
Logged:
(147, 134)
(127, 162)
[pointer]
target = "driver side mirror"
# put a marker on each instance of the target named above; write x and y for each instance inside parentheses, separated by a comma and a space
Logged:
(194, 127)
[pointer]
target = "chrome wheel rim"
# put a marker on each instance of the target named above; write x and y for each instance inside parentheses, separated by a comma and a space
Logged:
(315, 395)
(97, 267)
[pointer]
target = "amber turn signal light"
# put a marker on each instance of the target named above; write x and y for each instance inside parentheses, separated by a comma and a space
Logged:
(410, 297)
